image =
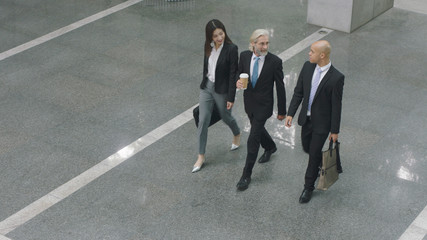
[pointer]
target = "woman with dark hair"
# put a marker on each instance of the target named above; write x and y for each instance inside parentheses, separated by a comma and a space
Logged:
(218, 86)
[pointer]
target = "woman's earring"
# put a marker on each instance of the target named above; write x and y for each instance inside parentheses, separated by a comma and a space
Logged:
(212, 44)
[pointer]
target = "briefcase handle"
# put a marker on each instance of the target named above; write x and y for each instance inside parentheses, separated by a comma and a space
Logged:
(331, 145)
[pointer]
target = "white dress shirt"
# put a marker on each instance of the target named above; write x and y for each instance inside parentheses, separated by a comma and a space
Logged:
(260, 63)
(213, 59)
(324, 70)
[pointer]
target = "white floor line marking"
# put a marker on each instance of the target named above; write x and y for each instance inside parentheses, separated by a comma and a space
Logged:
(106, 165)
(93, 173)
(303, 44)
(125, 153)
(66, 29)
(418, 229)
(4, 238)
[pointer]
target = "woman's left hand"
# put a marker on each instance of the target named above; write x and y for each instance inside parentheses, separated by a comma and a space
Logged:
(229, 105)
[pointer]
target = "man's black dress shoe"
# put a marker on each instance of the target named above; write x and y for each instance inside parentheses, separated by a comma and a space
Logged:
(266, 156)
(305, 196)
(243, 184)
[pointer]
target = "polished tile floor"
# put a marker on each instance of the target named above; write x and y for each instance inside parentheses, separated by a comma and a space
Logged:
(97, 140)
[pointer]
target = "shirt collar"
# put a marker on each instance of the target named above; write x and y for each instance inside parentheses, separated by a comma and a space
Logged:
(261, 58)
(324, 68)
(219, 49)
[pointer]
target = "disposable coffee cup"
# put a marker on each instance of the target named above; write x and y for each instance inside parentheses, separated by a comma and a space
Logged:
(244, 78)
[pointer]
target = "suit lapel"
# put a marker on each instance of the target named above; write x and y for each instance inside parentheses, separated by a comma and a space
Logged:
(248, 62)
(323, 82)
(266, 60)
(222, 54)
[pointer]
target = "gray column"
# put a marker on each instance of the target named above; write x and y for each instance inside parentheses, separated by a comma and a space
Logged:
(345, 15)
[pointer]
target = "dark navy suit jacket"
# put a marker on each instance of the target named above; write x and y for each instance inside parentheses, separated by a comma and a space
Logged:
(259, 101)
(225, 72)
(326, 106)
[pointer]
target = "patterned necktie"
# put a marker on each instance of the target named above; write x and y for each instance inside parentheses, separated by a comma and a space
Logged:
(314, 85)
(255, 72)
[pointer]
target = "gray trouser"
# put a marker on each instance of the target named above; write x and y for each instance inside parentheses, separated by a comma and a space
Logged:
(207, 98)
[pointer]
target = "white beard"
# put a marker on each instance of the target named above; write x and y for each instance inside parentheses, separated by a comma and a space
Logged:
(258, 52)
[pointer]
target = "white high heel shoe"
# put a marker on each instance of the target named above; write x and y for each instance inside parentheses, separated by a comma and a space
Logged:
(234, 147)
(197, 168)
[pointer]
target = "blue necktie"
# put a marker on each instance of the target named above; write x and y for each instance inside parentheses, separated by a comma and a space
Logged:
(314, 86)
(255, 72)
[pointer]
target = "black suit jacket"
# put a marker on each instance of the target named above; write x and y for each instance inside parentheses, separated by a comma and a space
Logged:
(326, 106)
(259, 101)
(225, 72)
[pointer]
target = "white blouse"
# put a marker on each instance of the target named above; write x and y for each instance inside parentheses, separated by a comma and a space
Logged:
(213, 59)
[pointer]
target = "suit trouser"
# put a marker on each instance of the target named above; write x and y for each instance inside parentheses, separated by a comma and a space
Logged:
(257, 136)
(312, 144)
(207, 98)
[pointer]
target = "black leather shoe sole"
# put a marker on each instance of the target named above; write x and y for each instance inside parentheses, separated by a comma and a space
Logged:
(267, 155)
(305, 196)
(243, 184)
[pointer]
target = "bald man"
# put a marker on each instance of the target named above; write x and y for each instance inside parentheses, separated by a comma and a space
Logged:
(319, 89)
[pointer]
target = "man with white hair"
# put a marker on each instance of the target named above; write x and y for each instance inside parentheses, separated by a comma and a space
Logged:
(264, 69)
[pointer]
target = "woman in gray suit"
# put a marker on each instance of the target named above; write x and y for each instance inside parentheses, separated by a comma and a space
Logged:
(218, 86)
